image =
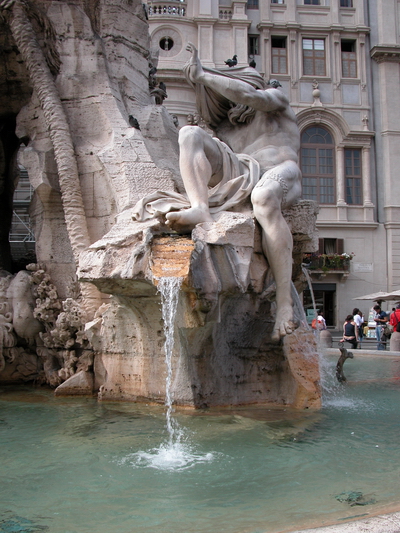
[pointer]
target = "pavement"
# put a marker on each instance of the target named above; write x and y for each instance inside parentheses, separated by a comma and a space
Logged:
(389, 523)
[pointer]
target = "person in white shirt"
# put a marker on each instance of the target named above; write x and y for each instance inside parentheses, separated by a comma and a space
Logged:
(359, 320)
(321, 321)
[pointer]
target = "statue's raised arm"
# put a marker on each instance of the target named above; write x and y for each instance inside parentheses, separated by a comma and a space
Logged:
(235, 90)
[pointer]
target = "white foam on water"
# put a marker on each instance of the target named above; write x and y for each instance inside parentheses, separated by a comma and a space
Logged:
(169, 456)
(351, 404)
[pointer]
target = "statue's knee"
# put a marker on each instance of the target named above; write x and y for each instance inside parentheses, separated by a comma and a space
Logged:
(189, 134)
(262, 197)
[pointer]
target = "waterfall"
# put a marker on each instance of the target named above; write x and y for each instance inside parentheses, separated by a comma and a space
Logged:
(177, 453)
(331, 389)
(169, 290)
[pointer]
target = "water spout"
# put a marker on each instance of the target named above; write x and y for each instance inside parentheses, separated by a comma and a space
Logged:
(298, 309)
(309, 282)
(339, 367)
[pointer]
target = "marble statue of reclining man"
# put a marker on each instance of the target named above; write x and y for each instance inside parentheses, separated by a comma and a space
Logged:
(254, 152)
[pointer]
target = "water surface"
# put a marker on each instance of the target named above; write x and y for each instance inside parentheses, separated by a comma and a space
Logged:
(79, 466)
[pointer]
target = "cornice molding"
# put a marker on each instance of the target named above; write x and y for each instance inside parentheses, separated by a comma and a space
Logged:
(326, 29)
(386, 53)
(345, 225)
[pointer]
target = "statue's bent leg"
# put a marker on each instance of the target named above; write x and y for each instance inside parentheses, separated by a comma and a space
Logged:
(278, 187)
(200, 165)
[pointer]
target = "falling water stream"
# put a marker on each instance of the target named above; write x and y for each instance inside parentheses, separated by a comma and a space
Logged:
(169, 290)
(177, 452)
(308, 278)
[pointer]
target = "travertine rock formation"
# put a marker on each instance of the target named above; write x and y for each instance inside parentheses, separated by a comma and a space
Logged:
(76, 111)
(223, 349)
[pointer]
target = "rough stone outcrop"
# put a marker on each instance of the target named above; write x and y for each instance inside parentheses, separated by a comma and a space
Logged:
(41, 336)
(223, 352)
(76, 92)
(70, 102)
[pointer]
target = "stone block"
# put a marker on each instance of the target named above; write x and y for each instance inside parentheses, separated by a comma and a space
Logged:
(80, 384)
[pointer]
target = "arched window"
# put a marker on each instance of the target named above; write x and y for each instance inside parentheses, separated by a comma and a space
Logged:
(317, 159)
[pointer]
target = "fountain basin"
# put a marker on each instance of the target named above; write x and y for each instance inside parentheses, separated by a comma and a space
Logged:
(75, 464)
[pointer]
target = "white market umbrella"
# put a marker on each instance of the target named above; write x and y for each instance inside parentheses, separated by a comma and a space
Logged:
(394, 295)
(375, 296)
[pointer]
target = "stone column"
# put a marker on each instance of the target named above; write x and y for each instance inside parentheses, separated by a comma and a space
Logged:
(337, 73)
(340, 199)
(240, 24)
(266, 50)
(293, 64)
(362, 69)
(395, 342)
(366, 176)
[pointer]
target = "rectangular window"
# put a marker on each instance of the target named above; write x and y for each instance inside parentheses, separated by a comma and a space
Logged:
(254, 45)
(252, 4)
(321, 190)
(353, 177)
(327, 191)
(330, 246)
(317, 166)
(346, 3)
(314, 57)
(310, 189)
(312, 2)
(279, 55)
(349, 59)
(277, 2)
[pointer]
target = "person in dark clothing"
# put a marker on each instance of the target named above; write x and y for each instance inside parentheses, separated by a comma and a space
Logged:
(350, 331)
(380, 318)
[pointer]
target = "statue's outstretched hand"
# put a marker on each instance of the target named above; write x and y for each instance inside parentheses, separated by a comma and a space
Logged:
(196, 71)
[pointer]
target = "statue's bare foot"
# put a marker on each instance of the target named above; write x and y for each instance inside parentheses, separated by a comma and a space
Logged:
(185, 221)
(284, 324)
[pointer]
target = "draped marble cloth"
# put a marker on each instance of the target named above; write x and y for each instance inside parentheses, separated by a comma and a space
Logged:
(241, 172)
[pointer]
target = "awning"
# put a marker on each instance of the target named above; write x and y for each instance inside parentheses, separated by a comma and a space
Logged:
(380, 296)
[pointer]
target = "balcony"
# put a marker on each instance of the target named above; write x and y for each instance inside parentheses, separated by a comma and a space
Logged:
(173, 8)
(320, 265)
(225, 13)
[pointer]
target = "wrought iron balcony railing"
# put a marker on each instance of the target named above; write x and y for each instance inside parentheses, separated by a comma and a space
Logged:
(324, 263)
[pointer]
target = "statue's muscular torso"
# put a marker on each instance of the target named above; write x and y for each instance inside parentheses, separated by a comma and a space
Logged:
(271, 137)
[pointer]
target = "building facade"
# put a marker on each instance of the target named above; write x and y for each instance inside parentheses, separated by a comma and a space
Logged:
(339, 63)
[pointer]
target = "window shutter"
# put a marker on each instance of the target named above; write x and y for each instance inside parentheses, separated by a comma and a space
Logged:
(321, 249)
(339, 246)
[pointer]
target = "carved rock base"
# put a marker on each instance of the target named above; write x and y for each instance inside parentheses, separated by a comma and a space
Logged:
(223, 354)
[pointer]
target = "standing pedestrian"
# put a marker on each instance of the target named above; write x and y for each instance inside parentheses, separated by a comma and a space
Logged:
(395, 318)
(380, 319)
(359, 320)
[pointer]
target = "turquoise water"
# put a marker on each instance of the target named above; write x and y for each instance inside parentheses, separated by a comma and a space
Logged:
(79, 466)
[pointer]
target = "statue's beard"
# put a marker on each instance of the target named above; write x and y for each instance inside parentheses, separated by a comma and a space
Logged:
(241, 114)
